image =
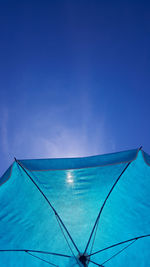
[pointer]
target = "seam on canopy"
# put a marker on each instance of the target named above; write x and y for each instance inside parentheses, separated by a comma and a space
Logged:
(82, 168)
(145, 158)
(86, 167)
(8, 176)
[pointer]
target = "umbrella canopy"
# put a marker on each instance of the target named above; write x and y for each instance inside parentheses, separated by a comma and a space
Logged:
(92, 211)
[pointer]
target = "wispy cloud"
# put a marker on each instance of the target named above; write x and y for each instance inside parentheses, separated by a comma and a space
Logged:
(61, 141)
(48, 134)
(68, 143)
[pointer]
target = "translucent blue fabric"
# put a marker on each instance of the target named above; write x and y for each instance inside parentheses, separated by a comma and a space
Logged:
(76, 189)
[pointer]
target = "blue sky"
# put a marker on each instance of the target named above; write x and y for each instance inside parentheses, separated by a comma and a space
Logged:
(74, 78)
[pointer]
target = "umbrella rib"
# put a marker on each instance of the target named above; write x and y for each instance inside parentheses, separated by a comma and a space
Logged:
(113, 256)
(68, 243)
(41, 259)
(96, 263)
(100, 212)
(35, 251)
(120, 243)
(48, 203)
(94, 239)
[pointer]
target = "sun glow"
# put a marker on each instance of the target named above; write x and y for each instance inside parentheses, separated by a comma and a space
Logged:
(70, 179)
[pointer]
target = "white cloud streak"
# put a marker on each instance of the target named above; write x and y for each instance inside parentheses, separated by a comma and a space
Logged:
(45, 135)
(60, 142)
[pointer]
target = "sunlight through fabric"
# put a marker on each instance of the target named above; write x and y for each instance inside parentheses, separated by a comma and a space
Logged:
(69, 212)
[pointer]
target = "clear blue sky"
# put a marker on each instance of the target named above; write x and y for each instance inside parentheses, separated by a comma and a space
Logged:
(74, 78)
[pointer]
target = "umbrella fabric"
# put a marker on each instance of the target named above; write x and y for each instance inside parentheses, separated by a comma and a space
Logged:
(49, 208)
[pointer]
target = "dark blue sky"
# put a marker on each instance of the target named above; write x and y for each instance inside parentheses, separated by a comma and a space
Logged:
(74, 78)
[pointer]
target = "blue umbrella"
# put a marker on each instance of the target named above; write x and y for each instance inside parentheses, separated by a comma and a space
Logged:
(92, 211)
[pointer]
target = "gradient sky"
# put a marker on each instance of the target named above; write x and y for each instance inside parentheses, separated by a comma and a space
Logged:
(74, 78)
